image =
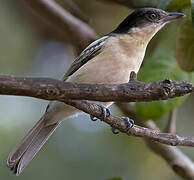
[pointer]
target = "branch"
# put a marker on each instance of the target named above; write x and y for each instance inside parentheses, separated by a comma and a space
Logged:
(80, 33)
(177, 160)
(120, 124)
(77, 11)
(171, 125)
(51, 89)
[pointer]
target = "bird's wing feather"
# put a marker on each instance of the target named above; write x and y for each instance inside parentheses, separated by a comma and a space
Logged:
(92, 50)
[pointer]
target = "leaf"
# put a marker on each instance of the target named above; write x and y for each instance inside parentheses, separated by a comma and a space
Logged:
(139, 3)
(163, 4)
(178, 4)
(185, 46)
(192, 11)
(157, 68)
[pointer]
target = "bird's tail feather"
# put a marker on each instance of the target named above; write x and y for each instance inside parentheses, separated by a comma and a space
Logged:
(20, 157)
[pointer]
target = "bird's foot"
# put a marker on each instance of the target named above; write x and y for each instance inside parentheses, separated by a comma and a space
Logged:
(93, 118)
(129, 124)
(105, 113)
(114, 131)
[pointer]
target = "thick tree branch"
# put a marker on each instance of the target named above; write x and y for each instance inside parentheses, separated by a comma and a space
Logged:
(80, 33)
(51, 89)
(76, 11)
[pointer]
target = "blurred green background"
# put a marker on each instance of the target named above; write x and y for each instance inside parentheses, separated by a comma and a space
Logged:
(79, 149)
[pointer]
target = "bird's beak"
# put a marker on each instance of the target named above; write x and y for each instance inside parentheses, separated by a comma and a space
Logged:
(173, 16)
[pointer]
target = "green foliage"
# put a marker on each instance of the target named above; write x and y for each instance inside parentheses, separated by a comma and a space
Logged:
(178, 4)
(185, 46)
(147, 3)
(17, 42)
(116, 178)
(192, 11)
(164, 65)
(163, 4)
(141, 3)
(157, 68)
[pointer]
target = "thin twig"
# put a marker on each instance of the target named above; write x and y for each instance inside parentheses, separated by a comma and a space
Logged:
(171, 125)
(138, 131)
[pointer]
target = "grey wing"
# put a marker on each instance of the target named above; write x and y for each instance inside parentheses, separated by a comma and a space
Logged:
(92, 50)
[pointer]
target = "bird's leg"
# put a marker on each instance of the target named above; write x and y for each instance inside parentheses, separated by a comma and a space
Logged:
(129, 124)
(133, 76)
(105, 113)
(93, 118)
(114, 131)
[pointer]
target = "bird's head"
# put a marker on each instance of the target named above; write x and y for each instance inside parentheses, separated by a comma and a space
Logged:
(146, 22)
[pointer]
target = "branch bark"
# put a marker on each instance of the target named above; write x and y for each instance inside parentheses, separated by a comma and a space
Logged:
(51, 89)
(138, 131)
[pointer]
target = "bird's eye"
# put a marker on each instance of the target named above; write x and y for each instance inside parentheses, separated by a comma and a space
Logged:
(153, 16)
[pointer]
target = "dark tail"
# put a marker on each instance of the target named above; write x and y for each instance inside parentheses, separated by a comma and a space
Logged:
(20, 157)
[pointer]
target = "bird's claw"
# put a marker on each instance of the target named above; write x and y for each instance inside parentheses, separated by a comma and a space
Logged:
(93, 118)
(105, 113)
(114, 131)
(129, 124)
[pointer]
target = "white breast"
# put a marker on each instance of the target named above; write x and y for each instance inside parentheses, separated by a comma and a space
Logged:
(113, 65)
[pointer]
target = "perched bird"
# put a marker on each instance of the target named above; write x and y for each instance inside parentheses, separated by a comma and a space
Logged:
(108, 60)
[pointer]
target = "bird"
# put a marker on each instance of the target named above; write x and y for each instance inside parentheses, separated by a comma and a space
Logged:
(108, 60)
